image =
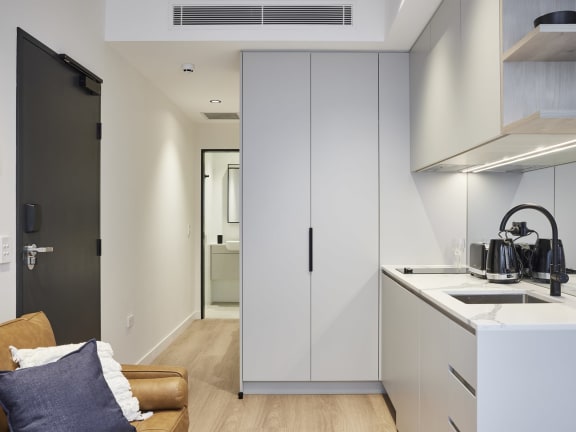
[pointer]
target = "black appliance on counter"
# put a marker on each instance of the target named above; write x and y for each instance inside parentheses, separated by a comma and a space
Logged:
(502, 265)
(478, 255)
(542, 259)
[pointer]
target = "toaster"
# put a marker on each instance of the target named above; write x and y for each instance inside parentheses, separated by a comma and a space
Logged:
(477, 263)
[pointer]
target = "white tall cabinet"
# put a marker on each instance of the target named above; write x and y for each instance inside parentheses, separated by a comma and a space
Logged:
(275, 164)
(310, 230)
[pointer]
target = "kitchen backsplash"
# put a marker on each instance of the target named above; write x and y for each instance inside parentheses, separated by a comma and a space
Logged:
(491, 195)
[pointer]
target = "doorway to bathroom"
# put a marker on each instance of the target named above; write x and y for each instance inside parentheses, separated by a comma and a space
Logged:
(220, 255)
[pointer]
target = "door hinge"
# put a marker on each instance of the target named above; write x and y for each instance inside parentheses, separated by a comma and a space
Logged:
(99, 247)
(99, 130)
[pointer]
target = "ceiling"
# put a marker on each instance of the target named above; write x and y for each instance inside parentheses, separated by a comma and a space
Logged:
(216, 72)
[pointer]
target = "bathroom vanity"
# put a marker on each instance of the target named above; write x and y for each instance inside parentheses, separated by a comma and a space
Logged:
(473, 364)
(224, 273)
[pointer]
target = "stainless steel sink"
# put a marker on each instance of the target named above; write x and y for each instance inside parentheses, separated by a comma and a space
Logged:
(499, 298)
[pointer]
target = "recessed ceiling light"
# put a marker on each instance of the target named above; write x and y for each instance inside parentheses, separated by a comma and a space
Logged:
(188, 67)
(215, 101)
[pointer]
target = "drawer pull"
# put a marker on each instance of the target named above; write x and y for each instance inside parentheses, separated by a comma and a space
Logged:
(453, 425)
(465, 383)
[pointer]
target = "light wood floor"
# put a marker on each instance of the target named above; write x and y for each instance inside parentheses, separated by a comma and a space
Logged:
(209, 349)
(222, 310)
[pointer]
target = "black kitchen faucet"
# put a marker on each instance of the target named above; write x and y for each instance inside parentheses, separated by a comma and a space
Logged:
(557, 275)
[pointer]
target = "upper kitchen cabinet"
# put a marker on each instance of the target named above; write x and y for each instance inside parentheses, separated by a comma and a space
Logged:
(479, 82)
(455, 81)
(510, 92)
(434, 65)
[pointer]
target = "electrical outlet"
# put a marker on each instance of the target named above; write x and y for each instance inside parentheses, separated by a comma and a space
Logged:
(5, 250)
(130, 321)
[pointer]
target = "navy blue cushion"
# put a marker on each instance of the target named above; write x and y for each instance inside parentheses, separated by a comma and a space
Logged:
(69, 395)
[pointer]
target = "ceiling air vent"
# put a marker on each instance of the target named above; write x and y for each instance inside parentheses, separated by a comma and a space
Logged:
(312, 15)
(222, 116)
(193, 15)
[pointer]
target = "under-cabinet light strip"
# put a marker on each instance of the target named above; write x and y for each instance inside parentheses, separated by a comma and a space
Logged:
(522, 157)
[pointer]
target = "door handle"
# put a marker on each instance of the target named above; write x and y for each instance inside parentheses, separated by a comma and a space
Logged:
(35, 249)
(30, 252)
(310, 249)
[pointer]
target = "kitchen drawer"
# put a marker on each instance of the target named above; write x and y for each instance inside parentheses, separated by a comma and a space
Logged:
(462, 353)
(462, 406)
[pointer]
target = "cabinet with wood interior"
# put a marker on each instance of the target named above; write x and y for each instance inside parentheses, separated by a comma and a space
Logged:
(538, 69)
(310, 219)
(506, 78)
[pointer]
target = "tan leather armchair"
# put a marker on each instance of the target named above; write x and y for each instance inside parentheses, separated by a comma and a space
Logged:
(162, 389)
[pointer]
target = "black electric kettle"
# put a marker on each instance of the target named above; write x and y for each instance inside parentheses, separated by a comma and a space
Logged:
(501, 263)
(542, 259)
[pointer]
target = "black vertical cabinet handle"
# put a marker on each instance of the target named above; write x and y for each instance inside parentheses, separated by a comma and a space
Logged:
(310, 249)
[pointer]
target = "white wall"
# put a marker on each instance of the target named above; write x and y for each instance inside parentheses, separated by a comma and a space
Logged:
(422, 215)
(149, 264)
(218, 134)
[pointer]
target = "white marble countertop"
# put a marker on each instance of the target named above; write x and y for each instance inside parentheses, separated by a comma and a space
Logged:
(560, 313)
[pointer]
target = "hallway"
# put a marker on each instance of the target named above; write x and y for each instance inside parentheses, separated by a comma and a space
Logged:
(209, 349)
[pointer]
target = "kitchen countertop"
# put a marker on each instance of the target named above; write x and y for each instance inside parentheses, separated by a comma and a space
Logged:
(560, 313)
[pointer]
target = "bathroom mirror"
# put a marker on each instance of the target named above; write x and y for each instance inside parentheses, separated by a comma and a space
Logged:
(233, 193)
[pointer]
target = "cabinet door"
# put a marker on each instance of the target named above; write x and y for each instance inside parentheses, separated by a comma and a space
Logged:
(480, 72)
(421, 152)
(435, 77)
(434, 394)
(344, 148)
(400, 357)
(275, 216)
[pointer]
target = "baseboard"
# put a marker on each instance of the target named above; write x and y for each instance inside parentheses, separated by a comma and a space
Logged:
(336, 387)
(164, 343)
(390, 405)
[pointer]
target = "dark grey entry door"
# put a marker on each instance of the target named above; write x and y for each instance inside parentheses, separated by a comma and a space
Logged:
(58, 191)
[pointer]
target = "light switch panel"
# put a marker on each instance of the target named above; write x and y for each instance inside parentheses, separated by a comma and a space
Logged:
(5, 250)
